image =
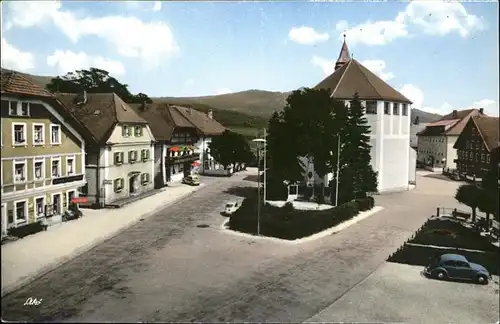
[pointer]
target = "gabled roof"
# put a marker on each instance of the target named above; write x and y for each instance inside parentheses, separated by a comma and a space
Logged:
(451, 124)
(205, 124)
(488, 128)
(100, 112)
(13, 82)
(162, 118)
(354, 77)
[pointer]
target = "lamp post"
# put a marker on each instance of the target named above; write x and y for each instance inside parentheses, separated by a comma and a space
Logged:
(337, 173)
(263, 141)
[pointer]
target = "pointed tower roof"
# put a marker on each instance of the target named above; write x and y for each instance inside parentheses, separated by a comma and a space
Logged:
(344, 56)
(354, 77)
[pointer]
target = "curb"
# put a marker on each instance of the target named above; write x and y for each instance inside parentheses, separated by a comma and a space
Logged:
(329, 231)
(87, 247)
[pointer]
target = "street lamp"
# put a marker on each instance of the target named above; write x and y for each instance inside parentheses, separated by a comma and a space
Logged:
(337, 171)
(263, 141)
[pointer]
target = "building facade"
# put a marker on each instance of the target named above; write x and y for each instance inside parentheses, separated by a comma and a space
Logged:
(477, 146)
(120, 148)
(43, 156)
(388, 113)
(176, 137)
(436, 142)
(207, 128)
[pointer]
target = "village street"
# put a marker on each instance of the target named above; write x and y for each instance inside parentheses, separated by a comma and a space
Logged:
(168, 269)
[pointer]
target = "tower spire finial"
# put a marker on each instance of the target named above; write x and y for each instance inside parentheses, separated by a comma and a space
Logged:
(344, 55)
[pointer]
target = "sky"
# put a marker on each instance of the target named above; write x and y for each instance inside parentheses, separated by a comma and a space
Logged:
(441, 55)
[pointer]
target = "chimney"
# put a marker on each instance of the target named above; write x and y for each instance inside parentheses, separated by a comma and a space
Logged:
(481, 111)
(455, 114)
(210, 114)
(81, 99)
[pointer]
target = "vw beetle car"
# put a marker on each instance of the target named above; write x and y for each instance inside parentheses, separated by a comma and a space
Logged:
(456, 266)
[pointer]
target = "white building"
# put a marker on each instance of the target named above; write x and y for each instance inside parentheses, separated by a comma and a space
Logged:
(176, 138)
(120, 148)
(436, 141)
(207, 128)
(388, 113)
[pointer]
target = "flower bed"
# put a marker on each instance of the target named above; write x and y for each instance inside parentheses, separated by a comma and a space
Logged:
(290, 224)
(449, 233)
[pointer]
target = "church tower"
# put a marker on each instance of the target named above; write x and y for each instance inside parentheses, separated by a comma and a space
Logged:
(344, 56)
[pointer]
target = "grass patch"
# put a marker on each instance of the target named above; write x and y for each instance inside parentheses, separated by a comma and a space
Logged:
(449, 233)
(290, 224)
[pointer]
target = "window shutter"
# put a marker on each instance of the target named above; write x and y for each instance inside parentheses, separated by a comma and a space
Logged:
(147, 177)
(130, 156)
(147, 154)
(124, 131)
(116, 184)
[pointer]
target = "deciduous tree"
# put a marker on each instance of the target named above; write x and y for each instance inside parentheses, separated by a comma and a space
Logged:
(469, 195)
(230, 148)
(94, 81)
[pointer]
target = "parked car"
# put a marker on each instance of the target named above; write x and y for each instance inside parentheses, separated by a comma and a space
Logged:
(192, 180)
(456, 266)
(231, 207)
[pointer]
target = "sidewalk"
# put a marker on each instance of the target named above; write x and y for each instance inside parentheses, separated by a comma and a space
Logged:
(29, 258)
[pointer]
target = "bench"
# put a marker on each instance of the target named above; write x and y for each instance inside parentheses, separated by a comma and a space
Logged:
(457, 214)
(28, 229)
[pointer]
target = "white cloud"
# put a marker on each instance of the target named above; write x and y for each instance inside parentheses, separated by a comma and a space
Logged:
(375, 32)
(222, 91)
(378, 67)
(16, 59)
(157, 6)
(189, 82)
(441, 18)
(490, 106)
(433, 17)
(328, 66)
(306, 35)
(416, 95)
(68, 61)
(152, 42)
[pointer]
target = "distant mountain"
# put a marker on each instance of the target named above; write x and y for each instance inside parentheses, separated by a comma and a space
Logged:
(258, 103)
(262, 103)
(253, 102)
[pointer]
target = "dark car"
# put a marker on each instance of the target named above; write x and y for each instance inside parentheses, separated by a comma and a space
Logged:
(456, 266)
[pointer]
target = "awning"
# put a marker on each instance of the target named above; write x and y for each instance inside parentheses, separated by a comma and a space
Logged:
(174, 149)
(196, 163)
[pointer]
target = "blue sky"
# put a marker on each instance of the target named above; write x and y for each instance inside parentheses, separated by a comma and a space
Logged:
(443, 56)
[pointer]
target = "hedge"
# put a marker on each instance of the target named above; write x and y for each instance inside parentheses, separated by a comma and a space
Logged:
(289, 223)
(453, 234)
(421, 256)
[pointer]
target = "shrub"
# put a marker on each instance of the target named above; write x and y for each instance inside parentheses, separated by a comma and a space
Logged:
(288, 223)
(365, 203)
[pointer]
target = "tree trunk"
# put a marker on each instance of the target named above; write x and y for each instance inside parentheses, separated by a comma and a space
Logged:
(473, 215)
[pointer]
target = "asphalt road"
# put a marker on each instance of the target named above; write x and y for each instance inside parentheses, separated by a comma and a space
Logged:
(168, 269)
